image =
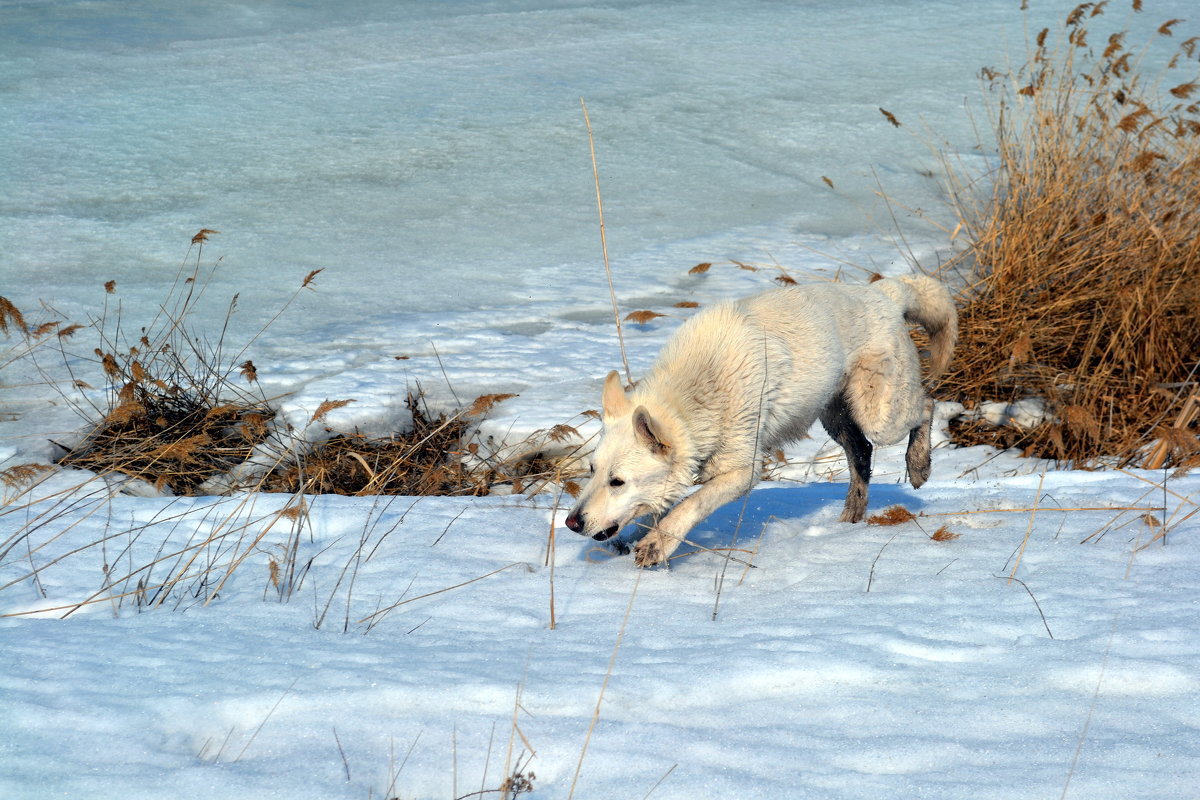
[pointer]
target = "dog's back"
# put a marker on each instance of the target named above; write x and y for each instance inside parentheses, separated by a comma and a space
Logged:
(766, 366)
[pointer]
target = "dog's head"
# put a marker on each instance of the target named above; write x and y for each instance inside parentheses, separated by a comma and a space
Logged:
(633, 468)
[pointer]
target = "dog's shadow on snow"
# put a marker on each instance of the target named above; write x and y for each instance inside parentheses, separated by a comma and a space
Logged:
(742, 520)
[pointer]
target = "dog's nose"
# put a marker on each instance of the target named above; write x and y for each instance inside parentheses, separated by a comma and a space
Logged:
(575, 521)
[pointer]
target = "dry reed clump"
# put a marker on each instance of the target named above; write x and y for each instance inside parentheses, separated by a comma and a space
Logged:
(170, 437)
(420, 462)
(175, 415)
(1086, 254)
(180, 411)
(440, 454)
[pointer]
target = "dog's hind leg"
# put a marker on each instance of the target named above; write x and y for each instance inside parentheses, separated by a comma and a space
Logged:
(917, 455)
(845, 431)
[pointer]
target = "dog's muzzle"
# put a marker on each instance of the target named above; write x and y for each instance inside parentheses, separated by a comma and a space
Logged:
(576, 523)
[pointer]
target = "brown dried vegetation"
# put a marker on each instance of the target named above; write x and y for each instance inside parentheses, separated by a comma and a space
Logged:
(423, 461)
(171, 436)
(10, 315)
(439, 454)
(21, 475)
(1085, 256)
(485, 402)
(181, 412)
(893, 515)
(944, 534)
(23, 337)
(643, 316)
(174, 417)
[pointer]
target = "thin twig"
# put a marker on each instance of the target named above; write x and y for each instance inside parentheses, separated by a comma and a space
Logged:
(762, 393)
(441, 591)
(1087, 722)
(487, 759)
(608, 674)
(1028, 530)
(604, 243)
(342, 753)
(407, 755)
(1031, 597)
(871, 575)
(1039, 510)
(254, 735)
(447, 528)
(551, 553)
(660, 780)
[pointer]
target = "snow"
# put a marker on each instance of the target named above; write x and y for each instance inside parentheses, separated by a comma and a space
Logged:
(432, 159)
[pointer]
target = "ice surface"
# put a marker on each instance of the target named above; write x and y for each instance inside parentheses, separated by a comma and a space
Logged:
(434, 155)
(432, 159)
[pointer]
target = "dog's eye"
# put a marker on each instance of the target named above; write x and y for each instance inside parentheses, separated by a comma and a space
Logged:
(615, 482)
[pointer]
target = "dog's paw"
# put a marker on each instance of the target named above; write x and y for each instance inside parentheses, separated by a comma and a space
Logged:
(917, 476)
(852, 515)
(648, 552)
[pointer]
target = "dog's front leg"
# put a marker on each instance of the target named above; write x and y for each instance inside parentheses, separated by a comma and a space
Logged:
(657, 545)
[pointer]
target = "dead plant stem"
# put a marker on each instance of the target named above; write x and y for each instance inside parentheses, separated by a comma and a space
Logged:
(604, 243)
(604, 685)
(1028, 530)
(441, 591)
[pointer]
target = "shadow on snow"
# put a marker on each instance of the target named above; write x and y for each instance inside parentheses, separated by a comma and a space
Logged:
(822, 502)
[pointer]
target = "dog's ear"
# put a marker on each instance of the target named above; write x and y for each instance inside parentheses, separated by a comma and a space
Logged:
(614, 400)
(648, 431)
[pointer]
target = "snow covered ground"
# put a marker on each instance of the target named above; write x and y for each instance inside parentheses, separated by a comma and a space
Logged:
(851, 661)
(432, 159)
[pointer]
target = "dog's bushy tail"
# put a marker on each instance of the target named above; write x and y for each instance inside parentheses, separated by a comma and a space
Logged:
(927, 302)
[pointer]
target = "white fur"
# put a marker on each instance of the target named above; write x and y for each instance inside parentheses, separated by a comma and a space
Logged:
(742, 378)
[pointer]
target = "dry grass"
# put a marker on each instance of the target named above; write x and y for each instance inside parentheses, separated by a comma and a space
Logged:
(11, 317)
(176, 442)
(181, 408)
(944, 534)
(177, 408)
(22, 338)
(1085, 255)
(181, 412)
(422, 461)
(439, 454)
(898, 515)
(642, 317)
(172, 439)
(893, 515)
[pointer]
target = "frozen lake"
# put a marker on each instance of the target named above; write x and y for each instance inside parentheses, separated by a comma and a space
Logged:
(433, 156)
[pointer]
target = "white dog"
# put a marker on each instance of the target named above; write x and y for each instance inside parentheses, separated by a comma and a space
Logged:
(740, 379)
